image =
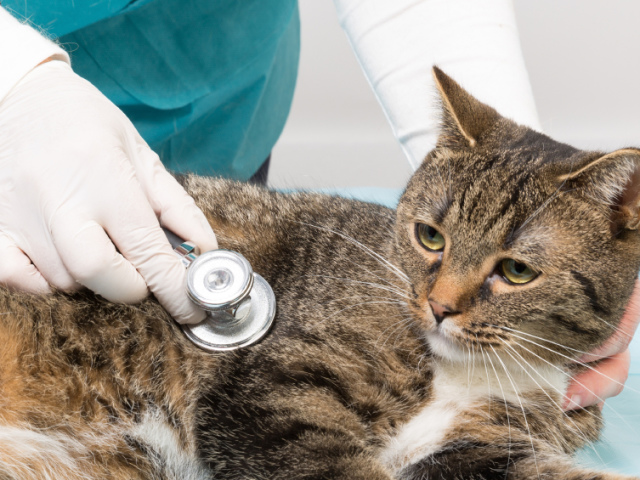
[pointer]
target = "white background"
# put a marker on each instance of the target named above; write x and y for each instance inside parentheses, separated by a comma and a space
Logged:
(583, 58)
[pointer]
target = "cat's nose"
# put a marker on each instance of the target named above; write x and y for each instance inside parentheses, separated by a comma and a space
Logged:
(440, 311)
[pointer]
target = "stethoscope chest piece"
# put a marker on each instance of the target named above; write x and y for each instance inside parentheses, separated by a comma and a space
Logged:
(240, 304)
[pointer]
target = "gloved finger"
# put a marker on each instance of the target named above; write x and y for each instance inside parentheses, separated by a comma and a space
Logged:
(175, 209)
(91, 258)
(180, 214)
(47, 261)
(17, 271)
(605, 381)
(619, 341)
(147, 248)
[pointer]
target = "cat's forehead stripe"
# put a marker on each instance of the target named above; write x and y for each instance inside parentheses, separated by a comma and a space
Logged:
(531, 241)
(485, 204)
(442, 206)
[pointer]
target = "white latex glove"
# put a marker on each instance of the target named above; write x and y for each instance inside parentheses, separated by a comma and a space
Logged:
(76, 179)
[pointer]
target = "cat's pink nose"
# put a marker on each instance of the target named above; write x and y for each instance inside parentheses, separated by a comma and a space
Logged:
(440, 311)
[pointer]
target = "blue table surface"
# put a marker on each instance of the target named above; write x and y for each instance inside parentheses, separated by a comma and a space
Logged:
(619, 448)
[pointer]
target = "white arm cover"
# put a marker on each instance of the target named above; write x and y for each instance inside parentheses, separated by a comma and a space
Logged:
(21, 49)
(475, 41)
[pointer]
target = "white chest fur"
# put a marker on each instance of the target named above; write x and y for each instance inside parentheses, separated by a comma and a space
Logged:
(459, 388)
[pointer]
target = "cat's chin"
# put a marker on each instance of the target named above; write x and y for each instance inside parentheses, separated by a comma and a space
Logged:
(442, 346)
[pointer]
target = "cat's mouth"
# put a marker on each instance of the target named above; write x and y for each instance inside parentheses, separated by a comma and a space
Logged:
(443, 346)
(447, 345)
(456, 338)
(443, 339)
(446, 336)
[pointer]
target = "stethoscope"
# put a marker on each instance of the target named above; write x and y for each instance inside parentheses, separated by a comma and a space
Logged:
(240, 304)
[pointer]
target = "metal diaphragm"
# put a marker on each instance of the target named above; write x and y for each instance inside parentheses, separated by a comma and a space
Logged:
(240, 304)
(250, 321)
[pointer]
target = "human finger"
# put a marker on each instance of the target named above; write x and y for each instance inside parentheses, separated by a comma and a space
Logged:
(175, 209)
(623, 335)
(91, 258)
(16, 269)
(143, 243)
(593, 386)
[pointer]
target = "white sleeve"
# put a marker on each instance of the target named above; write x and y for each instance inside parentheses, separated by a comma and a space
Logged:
(21, 49)
(474, 41)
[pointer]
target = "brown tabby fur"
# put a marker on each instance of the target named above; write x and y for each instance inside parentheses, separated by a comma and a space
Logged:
(89, 389)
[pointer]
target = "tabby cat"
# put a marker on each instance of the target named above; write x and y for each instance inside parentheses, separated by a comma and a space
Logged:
(432, 342)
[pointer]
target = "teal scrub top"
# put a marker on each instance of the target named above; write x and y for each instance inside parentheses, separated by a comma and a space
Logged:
(207, 83)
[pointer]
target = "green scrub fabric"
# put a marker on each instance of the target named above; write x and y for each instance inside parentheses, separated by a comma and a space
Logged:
(207, 83)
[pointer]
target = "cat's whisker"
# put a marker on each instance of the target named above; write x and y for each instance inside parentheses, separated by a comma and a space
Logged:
(580, 433)
(516, 332)
(400, 327)
(486, 370)
(358, 265)
(375, 297)
(538, 338)
(577, 430)
(398, 333)
(506, 409)
(532, 368)
(561, 393)
(395, 290)
(577, 382)
(398, 302)
(470, 367)
(618, 331)
(394, 269)
(552, 197)
(586, 365)
(553, 387)
(403, 323)
(473, 363)
(526, 422)
(422, 358)
(360, 282)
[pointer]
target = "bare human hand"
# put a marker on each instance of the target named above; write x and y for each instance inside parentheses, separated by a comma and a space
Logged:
(606, 379)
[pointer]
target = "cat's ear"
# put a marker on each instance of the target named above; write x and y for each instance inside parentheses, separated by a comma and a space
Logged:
(612, 179)
(464, 119)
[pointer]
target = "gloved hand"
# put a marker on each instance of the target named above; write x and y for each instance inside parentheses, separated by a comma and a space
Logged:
(77, 181)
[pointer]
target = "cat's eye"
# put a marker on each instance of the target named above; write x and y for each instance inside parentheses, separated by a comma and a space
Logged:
(516, 272)
(429, 237)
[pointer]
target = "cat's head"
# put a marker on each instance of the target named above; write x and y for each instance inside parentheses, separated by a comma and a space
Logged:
(510, 237)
